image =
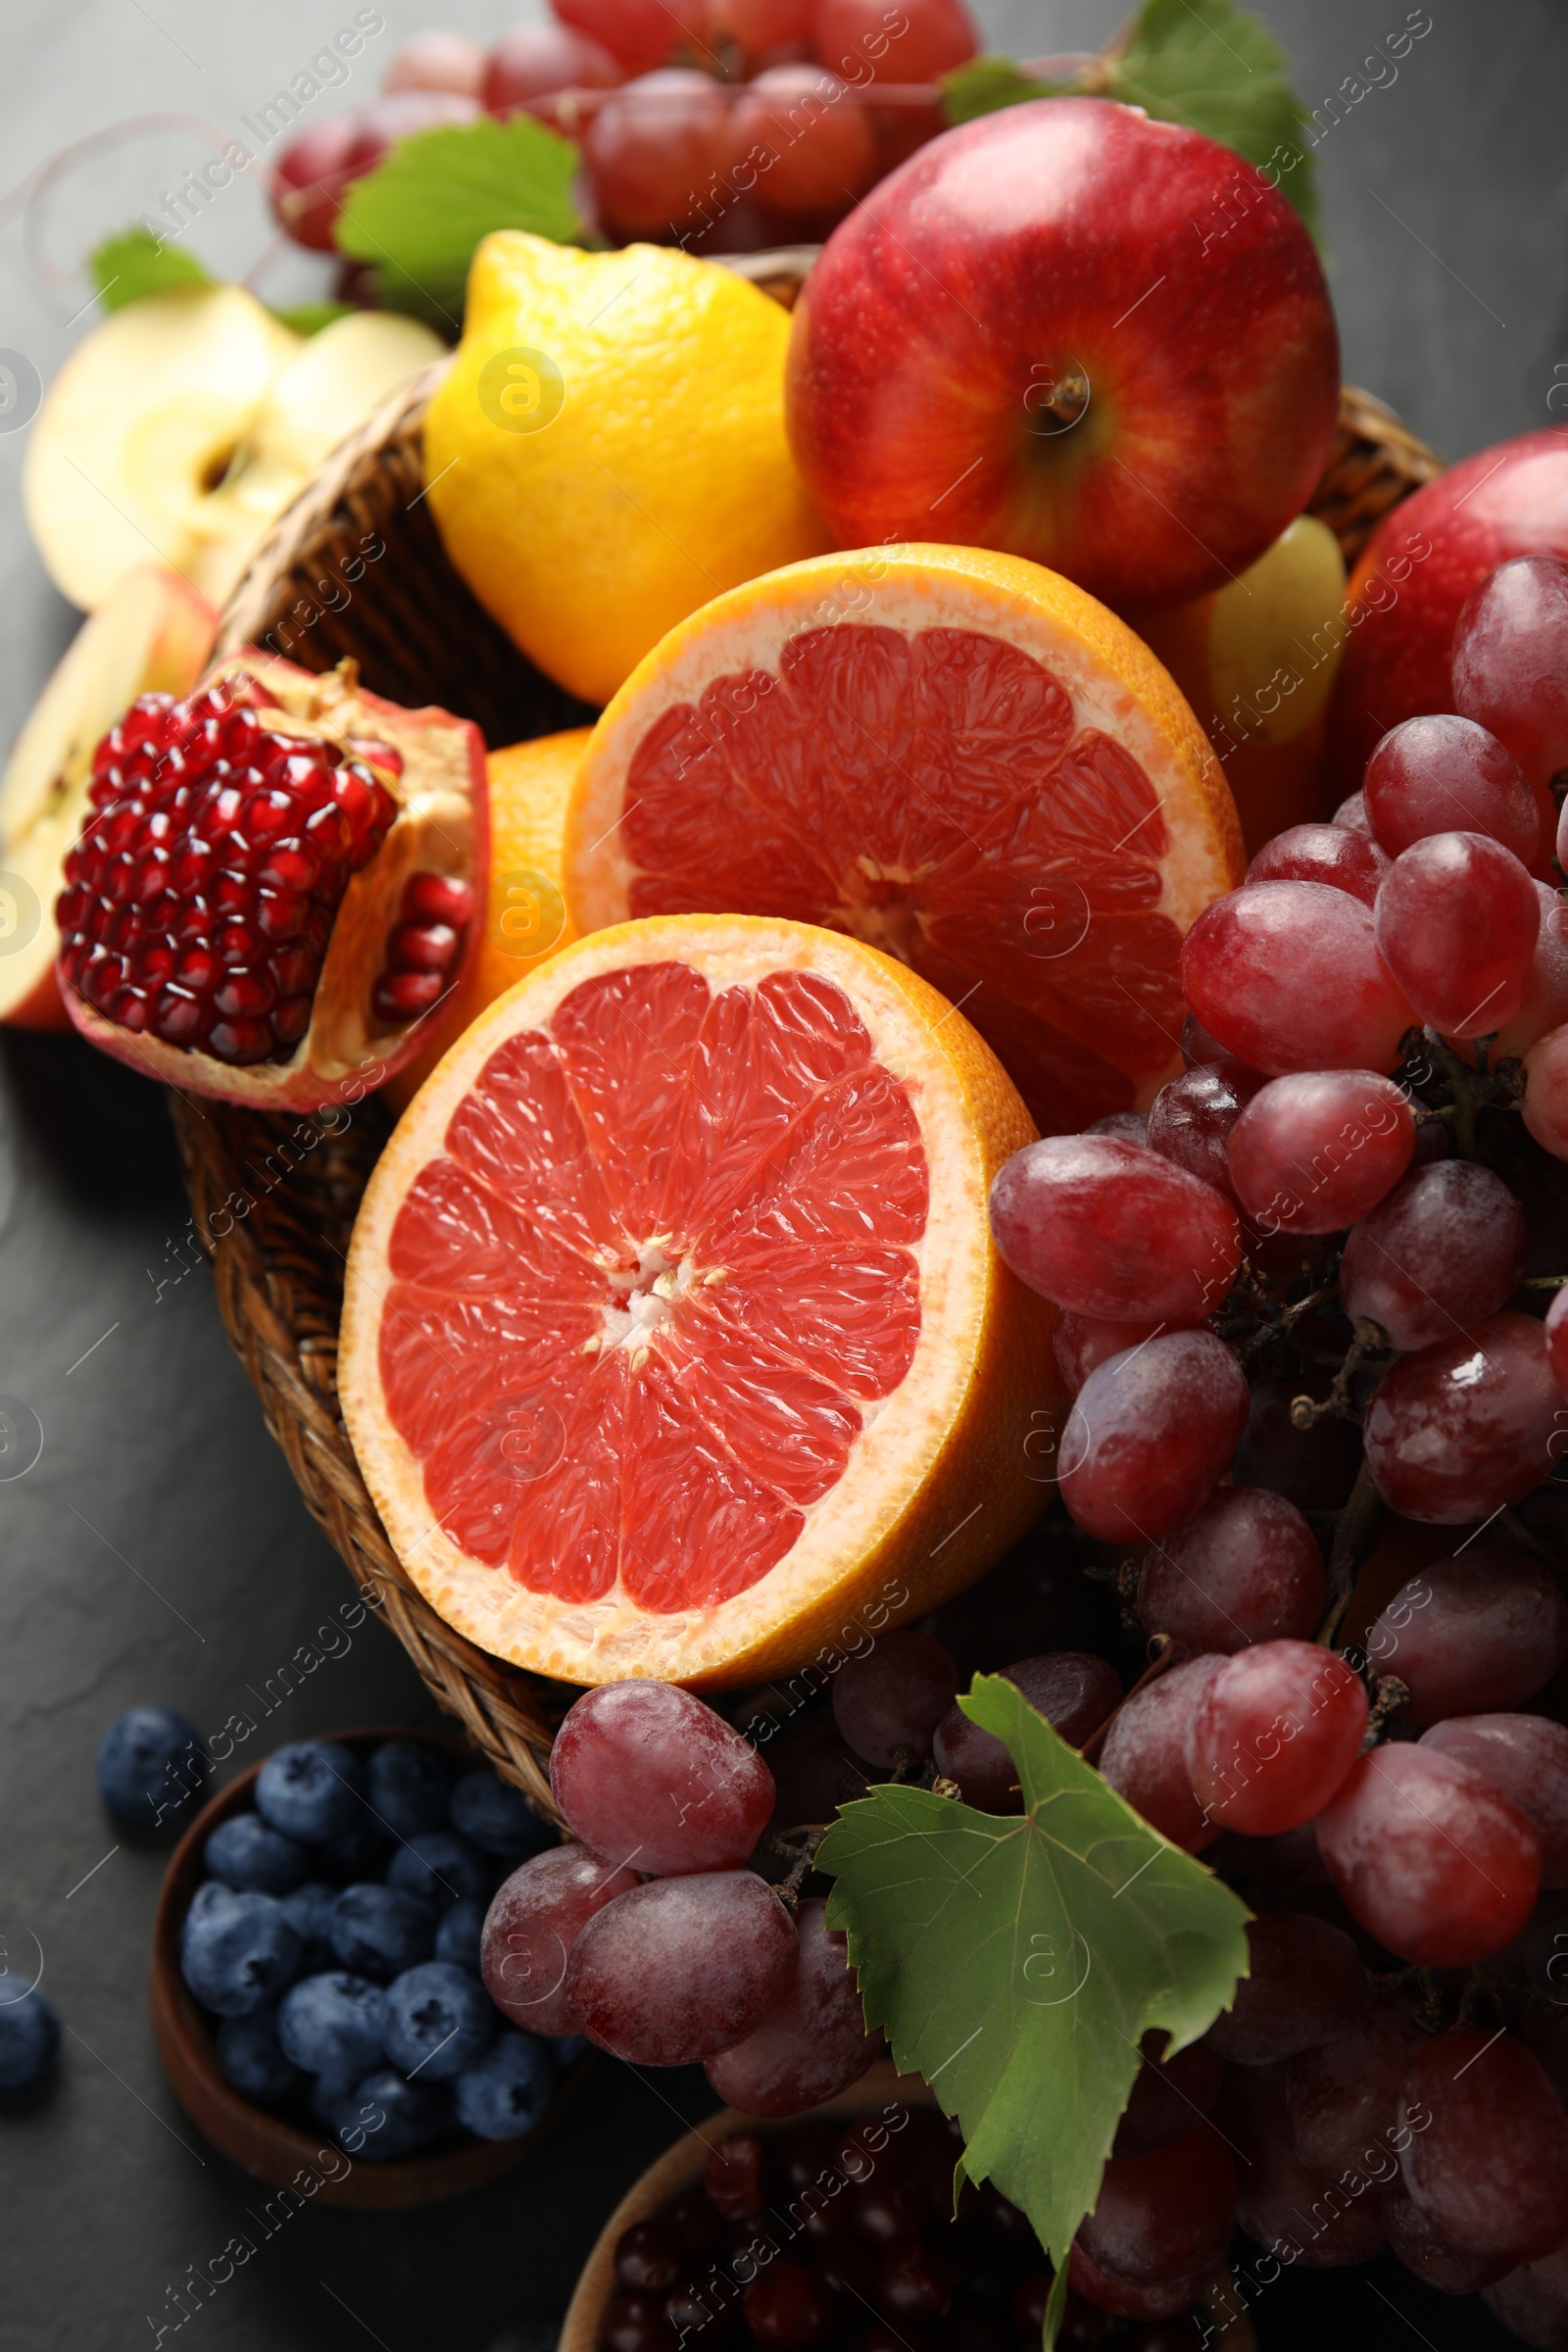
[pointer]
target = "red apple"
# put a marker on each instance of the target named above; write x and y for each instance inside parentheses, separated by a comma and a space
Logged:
(1419, 566)
(1074, 334)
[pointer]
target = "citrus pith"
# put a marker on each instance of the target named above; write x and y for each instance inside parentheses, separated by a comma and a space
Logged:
(954, 755)
(674, 1342)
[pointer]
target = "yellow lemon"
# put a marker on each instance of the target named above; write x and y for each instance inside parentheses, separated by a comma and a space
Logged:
(607, 450)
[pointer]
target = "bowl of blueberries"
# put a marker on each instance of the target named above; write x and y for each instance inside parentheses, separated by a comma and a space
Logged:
(316, 1987)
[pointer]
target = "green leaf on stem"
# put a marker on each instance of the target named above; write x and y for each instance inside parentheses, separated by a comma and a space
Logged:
(128, 267)
(986, 83)
(1016, 1963)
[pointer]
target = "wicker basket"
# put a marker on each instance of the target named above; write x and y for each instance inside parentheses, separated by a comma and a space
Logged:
(355, 567)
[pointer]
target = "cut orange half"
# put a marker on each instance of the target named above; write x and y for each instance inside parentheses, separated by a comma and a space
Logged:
(674, 1343)
(955, 755)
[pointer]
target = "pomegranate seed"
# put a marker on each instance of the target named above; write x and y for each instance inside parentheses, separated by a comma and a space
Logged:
(129, 1009)
(281, 914)
(197, 969)
(291, 967)
(399, 996)
(230, 894)
(73, 904)
(370, 746)
(268, 814)
(434, 899)
(244, 991)
(241, 1041)
(290, 1019)
(420, 948)
(120, 881)
(179, 1018)
(190, 869)
(153, 962)
(326, 829)
(152, 877)
(289, 865)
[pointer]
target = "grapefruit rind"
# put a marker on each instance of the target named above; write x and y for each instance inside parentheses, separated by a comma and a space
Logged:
(938, 1483)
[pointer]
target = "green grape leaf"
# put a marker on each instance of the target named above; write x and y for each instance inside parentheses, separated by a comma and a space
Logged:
(1016, 1963)
(986, 83)
(309, 318)
(1206, 64)
(419, 215)
(128, 268)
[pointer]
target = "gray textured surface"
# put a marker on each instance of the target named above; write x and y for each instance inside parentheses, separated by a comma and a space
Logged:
(158, 1549)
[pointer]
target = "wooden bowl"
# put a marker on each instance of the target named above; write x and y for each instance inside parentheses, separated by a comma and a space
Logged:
(680, 2167)
(277, 1247)
(273, 2147)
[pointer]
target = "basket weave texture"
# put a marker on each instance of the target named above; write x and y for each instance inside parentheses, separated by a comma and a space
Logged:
(355, 567)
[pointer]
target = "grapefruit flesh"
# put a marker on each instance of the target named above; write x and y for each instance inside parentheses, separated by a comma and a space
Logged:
(673, 1332)
(955, 756)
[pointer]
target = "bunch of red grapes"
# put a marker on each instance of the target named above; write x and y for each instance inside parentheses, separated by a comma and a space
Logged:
(721, 125)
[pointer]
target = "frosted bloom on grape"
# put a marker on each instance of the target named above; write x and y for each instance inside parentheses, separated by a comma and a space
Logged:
(1145, 1753)
(1305, 1982)
(1464, 1427)
(1487, 1629)
(1442, 774)
(1288, 976)
(1433, 1861)
(1315, 1151)
(1081, 1343)
(1352, 817)
(1457, 923)
(1246, 1568)
(1149, 1435)
(1490, 2169)
(533, 1920)
(1510, 662)
(1333, 854)
(1274, 1736)
(815, 2042)
(680, 1968)
(1110, 1229)
(1164, 2215)
(647, 1775)
(1438, 1254)
(1525, 1756)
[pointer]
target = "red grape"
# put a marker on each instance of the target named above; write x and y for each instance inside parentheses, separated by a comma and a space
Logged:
(1483, 1630)
(1245, 1568)
(310, 179)
(1145, 1755)
(639, 34)
(647, 1774)
(1329, 853)
(789, 2308)
(1428, 2253)
(537, 60)
(1110, 1229)
(1443, 774)
(1166, 2214)
(1532, 2301)
(893, 1699)
(635, 2323)
(1462, 1428)
(1168, 2096)
(1456, 924)
(939, 34)
(1164, 2300)
(1544, 1004)
(1274, 1736)
(1510, 662)
(1437, 1256)
(760, 27)
(654, 146)
(649, 2258)
(1149, 1435)
(1525, 1756)
(1130, 1125)
(1431, 1861)
(1081, 1343)
(1343, 2095)
(817, 132)
(437, 61)
(1257, 969)
(1319, 1148)
(1074, 1690)
(532, 1923)
(1489, 2169)
(1304, 2215)
(400, 114)
(1196, 1044)
(1304, 1983)
(681, 1968)
(1546, 1102)
(813, 2043)
(1192, 1118)
(1314, 1468)
(1556, 1330)
(1352, 817)
(732, 2177)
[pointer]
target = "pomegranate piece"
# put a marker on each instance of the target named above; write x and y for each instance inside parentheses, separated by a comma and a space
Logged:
(247, 911)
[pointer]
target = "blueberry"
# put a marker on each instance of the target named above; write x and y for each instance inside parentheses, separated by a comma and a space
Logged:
(246, 1853)
(442, 1867)
(506, 2092)
(333, 2026)
(251, 2058)
(380, 1931)
(29, 2033)
(406, 1786)
(309, 1910)
(490, 1813)
(310, 1790)
(236, 1951)
(383, 2116)
(459, 1935)
(150, 1763)
(439, 2019)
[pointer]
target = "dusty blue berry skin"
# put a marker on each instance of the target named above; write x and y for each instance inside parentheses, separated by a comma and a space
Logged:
(460, 1935)
(29, 2033)
(441, 1868)
(407, 1786)
(383, 2116)
(251, 2058)
(248, 1854)
(496, 1818)
(439, 2021)
(310, 1790)
(237, 1951)
(150, 1766)
(379, 1931)
(505, 2092)
(334, 2025)
(309, 1910)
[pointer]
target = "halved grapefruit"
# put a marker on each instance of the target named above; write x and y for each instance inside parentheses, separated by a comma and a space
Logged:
(955, 755)
(674, 1343)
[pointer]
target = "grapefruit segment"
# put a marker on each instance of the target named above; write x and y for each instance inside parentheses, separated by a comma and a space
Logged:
(673, 1328)
(972, 764)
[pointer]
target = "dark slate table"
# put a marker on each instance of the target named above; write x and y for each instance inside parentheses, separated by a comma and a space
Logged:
(157, 1550)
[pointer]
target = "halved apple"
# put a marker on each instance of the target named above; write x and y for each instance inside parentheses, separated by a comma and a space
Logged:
(151, 635)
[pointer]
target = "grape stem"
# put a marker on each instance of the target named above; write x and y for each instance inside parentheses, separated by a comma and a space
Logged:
(1473, 1088)
(1389, 1694)
(1353, 1538)
(1338, 1406)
